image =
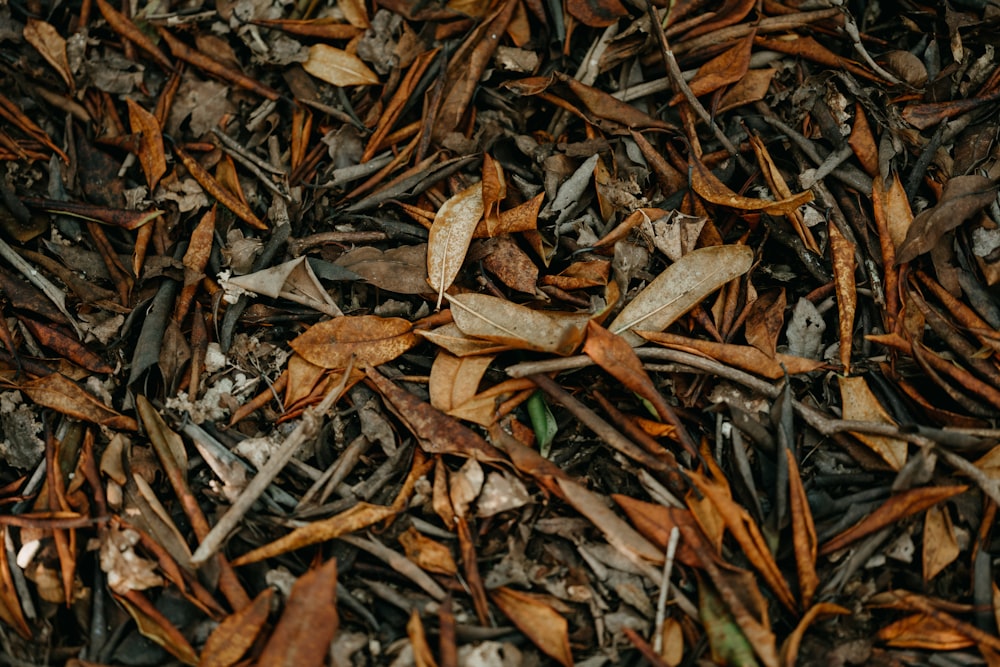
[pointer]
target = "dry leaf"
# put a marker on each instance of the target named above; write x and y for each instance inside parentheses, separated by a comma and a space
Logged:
(308, 624)
(338, 67)
(455, 380)
(679, 288)
(940, 544)
(859, 403)
(501, 321)
(543, 625)
(237, 633)
(371, 340)
(450, 235)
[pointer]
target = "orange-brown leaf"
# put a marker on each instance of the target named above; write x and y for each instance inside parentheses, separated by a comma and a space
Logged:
(370, 339)
(151, 154)
(237, 633)
(58, 392)
(892, 511)
(543, 625)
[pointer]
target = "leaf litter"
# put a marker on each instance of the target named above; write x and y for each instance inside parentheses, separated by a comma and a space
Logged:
(410, 333)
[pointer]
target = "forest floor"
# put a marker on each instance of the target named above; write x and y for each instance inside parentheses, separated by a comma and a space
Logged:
(499, 332)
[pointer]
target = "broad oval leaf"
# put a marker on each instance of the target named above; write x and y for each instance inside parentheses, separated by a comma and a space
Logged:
(680, 287)
(450, 235)
(338, 67)
(500, 321)
(370, 339)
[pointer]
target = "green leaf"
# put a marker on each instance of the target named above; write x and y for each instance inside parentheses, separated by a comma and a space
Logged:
(542, 421)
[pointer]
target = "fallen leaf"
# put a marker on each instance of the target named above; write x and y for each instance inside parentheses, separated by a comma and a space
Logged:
(151, 154)
(428, 554)
(371, 340)
(58, 392)
(892, 511)
(543, 625)
(860, 404)
(309, 622)
(449, 237)
(679, 288)
(237, 633)
(962, 198)
(501, 321)
(940, 546)
(455, 380)
(338, 67)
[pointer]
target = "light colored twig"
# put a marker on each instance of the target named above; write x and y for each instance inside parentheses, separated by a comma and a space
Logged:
(661, 602)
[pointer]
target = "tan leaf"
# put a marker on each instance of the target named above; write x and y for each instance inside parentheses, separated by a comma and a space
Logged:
(859, 403)
(449, 337)
(401, 269)
(370, 339)
(455, 380)
(500, 321)
(710, 188)
(338, 67)
(449, 237)
(543, 625)
(680, 287)
(940, 544)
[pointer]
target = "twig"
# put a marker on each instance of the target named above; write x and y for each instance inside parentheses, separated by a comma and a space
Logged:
(661, 603)
(674, 70)
(307, 429)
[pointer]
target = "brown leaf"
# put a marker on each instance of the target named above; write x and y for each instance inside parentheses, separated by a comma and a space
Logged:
(655, 522)
(751, 88)
(521, 218)
(962, 198)
(449, 337)
(859, 403)
(543, 625)
(308, 624)
(153, 625)
(847, 293)
(370, 339)
(450, 235)
(401, 269)
(803, 533)
(728, 67)
(766, 320)
(892, 511)
(338, 67)
(510, 264)
(596, 13)
(10, 603)
(501, 321)
(213, 188)
(58, 392)
(924, 631)
(237, 633)
(745, 531)
(422, 654)
(679, 288)
(51, 45)
(151, 154)
(741, 356)
(436, 432)
(428, 554)
(710, 188)
(66, 346)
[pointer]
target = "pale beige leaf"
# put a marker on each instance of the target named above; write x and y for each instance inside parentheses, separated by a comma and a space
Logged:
(455, 380)
(680, 287)
(449, 337)
(338, 67)
(450, 235)
(859, 403)
(500, 321)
